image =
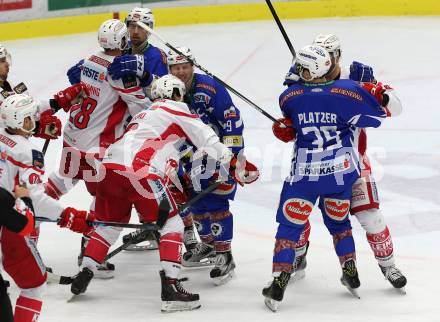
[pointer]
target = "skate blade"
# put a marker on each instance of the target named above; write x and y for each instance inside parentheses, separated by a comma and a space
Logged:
(401, 290)
(297, 276)
(272, 304)
(177, 306)
(142, 248)
(351, 290)
(73, 298)
(221, 280)
(206, 263)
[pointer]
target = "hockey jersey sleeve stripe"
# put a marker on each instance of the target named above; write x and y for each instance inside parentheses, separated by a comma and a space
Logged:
(178, 113)
(24, 166)
(128, 90)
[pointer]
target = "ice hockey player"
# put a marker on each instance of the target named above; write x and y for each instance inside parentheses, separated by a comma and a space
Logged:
(99, 121)
(324, 115)
(136, 168)
(214, 221)
(365, 201)
(22, 164)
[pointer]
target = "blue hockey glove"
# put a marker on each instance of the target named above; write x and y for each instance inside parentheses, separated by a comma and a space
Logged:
(128, 65)
(74, 73)
(292, 76)
(361, 73)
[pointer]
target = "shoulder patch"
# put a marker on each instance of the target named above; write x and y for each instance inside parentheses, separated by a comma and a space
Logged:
(37, 159)
(129, 81)
(20, 88)
(5, 93)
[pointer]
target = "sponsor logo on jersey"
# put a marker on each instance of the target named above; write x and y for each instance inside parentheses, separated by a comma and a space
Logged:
(233, 141)
(9, 142)
(324, 168)
(99, 60)
(93, 74)
(336, 209)
(20, 88)
(202, 98)
(290, 95)
(297, 210)
(206, 86)
(230, 113)
(346, 92)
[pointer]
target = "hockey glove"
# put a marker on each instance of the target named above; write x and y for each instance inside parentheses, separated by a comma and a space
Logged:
(292, 76)
(128, 65)
(72, 95)
(76, 220)
(361, 73)
(49, 126)
(378, 91)
(23, 206)
(242, 171)
(74, 73)
(283, 132)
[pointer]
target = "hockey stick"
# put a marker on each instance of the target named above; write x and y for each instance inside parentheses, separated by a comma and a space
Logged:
(244, 98)
(280, 26)
(108, 223)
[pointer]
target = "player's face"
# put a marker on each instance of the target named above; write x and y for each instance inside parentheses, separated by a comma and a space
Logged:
(4, 68)
(184, 72)
(28, 124)
(137, 34)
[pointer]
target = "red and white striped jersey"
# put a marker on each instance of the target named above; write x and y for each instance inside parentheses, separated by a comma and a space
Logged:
(154, 137)
(22, 163)
(99, 120)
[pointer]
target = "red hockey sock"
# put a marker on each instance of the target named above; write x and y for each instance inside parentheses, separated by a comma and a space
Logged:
(170, 252)
(97, 248)
(27, 309)
(382, 245)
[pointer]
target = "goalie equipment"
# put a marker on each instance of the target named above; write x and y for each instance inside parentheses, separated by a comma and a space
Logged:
(315, 59)
(175, 58)
(224, 268)
(274, 292)
(175, 297)
(166, 86)
(144, 15)
(113, 34)
(16, 108)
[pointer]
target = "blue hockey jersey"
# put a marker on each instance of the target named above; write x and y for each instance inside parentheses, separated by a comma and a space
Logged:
(156, 60)
(326, 118)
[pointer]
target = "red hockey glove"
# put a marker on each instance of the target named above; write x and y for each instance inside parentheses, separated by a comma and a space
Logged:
(22, 208)
(284, 133)
(242, 171)
(76, 220)
(70, 96)
(49, 126)
(377, 90)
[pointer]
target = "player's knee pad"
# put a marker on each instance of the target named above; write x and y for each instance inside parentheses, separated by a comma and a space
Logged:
(222, 225)
(172, 225)
(372, 220)
(336, 209)
(295, 211)
(364, 195)
(35, 293)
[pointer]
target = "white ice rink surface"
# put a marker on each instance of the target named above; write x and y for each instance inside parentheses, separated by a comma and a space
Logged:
(253, 58)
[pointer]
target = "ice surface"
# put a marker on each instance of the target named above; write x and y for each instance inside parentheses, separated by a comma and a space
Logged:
(253, 58)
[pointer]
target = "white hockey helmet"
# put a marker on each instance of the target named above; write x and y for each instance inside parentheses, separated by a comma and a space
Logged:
(166, 86)
(174, 58)
(4, 54)
(330, 42)
(144, 15)
(16, 108)
(113, 34)
(315, 59)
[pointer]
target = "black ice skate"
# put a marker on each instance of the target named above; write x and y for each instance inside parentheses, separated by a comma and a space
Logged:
(298, 271)
(81, 281)
(105, 270)
(189, 238)
(200, 256)
(138, 236)
(274, 293)
(395, 277)
(223, 271)
(175, 297)
(350, 278)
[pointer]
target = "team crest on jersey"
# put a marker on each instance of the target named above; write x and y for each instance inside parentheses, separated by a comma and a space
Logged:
(337, 209)
(37, 159)
(202, 98)
(20, 88)
(297, 210)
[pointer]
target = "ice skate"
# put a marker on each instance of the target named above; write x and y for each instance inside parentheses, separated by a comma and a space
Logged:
(175, 297)
(350, 278)
(104, 271)
(224, 268)
(189, 238)
(299, 267)
(139, 236)
(395, 277)
(274, 293)
(81, 281)
(201, 255)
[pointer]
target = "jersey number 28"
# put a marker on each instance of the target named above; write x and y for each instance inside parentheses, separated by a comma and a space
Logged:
(80, 116)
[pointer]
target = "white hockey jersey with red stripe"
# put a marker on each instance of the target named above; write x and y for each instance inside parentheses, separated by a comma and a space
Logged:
(99, 120)
(153, 139)
(22, 163)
